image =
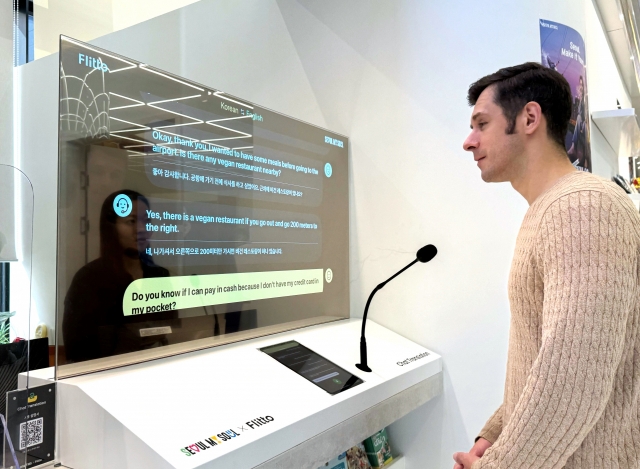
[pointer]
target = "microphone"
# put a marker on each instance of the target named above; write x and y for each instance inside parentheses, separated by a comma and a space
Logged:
(424, 254)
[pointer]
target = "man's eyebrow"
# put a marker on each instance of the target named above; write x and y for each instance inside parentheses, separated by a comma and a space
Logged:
(475, 117)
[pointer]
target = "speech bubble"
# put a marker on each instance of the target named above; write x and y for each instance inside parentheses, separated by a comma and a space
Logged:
(154, 295)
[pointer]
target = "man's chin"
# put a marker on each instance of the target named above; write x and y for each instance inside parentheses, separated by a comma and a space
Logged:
(486, 176)
(491, 176)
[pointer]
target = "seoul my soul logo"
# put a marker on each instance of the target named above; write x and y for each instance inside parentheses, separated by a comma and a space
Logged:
(225, 436)
(210, 442)
(97, 63)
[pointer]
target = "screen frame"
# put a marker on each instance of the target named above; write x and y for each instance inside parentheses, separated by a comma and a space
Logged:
(68, 370)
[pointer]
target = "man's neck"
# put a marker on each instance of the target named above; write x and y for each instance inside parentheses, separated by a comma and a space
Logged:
(543, 169)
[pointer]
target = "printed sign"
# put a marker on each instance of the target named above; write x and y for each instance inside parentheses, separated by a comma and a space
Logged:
(31, 419)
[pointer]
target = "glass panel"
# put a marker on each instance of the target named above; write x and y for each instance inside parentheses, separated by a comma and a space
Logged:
(188, 217)
(20, 351)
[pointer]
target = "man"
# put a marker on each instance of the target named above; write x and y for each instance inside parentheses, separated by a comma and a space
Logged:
(572, 390)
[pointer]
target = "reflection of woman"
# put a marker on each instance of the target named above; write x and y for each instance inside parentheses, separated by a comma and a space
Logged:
(93, 324)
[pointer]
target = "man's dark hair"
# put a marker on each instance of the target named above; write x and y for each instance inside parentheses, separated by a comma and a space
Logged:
(516, 86)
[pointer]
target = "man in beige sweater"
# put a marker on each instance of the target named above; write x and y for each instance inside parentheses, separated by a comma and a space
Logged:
(572, 391)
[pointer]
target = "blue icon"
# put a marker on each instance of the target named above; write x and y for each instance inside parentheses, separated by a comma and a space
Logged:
(328, 170)
(122, 205)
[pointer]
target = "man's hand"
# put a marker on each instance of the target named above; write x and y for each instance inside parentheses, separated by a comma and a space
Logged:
(465, 460)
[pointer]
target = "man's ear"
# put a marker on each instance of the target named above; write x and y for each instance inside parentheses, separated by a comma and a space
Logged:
(532, 117)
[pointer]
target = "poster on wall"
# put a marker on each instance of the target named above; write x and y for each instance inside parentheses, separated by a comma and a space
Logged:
(562, 49)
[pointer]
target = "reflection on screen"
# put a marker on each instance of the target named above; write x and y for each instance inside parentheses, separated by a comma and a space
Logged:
(186, 213)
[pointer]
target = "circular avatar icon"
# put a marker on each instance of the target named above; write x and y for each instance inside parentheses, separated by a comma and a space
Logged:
(122, 205)
(328, 275)
(328, 170)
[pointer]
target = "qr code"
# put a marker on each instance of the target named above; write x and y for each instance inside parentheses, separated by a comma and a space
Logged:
(30, 433)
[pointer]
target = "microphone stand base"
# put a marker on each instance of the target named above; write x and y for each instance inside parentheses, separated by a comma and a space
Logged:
(364, 368)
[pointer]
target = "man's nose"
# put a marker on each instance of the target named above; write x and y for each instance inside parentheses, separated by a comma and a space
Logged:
(471, 143)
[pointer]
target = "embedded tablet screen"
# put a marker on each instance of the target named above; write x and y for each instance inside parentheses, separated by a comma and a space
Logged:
(185, 212)
(313, 367)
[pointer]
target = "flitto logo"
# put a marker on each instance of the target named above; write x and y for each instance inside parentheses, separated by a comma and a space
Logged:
(92, 62)
(225, 436)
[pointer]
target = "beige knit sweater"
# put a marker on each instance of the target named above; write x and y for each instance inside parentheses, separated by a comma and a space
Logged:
(572, 392)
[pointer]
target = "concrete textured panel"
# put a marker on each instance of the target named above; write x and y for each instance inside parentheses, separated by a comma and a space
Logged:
(316, 451)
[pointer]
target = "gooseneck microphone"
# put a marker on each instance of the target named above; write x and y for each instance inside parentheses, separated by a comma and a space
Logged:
(424, 254)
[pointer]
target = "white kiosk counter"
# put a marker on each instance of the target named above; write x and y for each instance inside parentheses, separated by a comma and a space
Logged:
(236, 407)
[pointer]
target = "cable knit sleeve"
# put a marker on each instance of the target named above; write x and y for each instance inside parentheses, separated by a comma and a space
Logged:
(584, 252)
(492, 429)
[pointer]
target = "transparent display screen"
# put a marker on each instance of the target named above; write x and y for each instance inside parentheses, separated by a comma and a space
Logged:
(186, 213)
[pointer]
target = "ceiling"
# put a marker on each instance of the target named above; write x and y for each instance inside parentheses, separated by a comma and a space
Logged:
(615, 26)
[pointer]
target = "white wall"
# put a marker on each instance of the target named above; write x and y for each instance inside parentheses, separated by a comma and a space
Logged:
(393, 77)
(37, 155)
(606, 88)
(6, 81)
(89, 19)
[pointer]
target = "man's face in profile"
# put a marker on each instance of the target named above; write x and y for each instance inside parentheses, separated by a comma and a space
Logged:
(495, 151)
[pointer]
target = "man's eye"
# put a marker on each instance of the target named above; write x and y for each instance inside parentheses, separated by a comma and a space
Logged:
(481, 124)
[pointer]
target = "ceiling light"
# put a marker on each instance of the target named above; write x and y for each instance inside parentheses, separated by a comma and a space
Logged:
(138, 103)
(128, 122)
(144, 144)
(146, 67)
(174, 99)
(228, 119)
(225, 138)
